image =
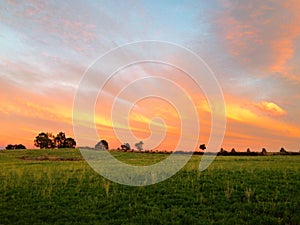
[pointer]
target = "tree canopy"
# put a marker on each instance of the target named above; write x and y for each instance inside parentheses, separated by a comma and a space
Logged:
(139, 145)
(202, 147)
(43, 141)
(16, 146)
(125, 147)
(48, 140)
(60, 140)
(102, 145)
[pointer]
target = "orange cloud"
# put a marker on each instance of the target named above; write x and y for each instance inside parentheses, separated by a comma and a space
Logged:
(245, 114)
(24, 114)
(257, 125)
(271, 108)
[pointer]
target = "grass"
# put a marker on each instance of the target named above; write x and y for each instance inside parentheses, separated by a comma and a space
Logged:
(233, 190)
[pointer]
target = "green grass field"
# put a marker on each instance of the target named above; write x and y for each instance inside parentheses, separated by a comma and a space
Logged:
(58, 187)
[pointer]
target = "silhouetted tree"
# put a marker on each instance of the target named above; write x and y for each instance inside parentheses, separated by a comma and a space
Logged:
(264, 151)
(48, 140)
(139, 145)
(125, 147)
(17, 146)
(222, 152)
(202, 147)
(70, 143)
(60, 140)
(9, 147)
(282, 150)
(20, 146)
(248, 150)
(102, 145)
(43, 141)
(233, 151)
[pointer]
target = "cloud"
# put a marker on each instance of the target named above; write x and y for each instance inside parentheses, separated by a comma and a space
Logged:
(258, 125)
(24, 113)
(261, 36)
(271, 108)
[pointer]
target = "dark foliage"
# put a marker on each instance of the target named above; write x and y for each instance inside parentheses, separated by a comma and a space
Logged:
(70, 143)
(283, 151)
(47, 140)
(263, 151)
(125, 147)
(17, 146)
(233, 152)
(202, 147)
(43, 141)
(139, 145)
(60, 140)
(102, 145)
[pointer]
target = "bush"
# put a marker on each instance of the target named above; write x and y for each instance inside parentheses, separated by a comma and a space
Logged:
(17, 146)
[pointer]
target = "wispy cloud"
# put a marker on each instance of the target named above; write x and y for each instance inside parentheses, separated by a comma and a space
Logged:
(262, 35)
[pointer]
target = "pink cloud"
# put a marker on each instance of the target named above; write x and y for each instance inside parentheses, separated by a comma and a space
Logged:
(262, 35)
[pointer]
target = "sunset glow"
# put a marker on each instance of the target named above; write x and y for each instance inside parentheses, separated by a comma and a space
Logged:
(253, 48)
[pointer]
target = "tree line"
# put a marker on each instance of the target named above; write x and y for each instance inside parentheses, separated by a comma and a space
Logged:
(45, 140)
(16, 146)
(103, 145)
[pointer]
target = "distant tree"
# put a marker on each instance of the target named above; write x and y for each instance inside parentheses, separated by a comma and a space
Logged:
(70, 143)
(125, 147)
(283, 151)
(48, 140)
(102, 145)
(60, 140)
(248, 150)
(17, 146)
(9, 147)
(264, 151)
(20, 146)
(223, 152)
(43, 141)
(233, 151)
(202, 147)
(139, 145)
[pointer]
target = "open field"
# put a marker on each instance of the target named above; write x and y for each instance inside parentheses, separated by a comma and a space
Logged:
(58, 187)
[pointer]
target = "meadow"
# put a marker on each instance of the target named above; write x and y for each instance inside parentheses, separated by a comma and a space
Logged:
(59, 187)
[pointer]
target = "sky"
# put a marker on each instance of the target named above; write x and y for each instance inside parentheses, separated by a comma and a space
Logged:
(252, 47)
